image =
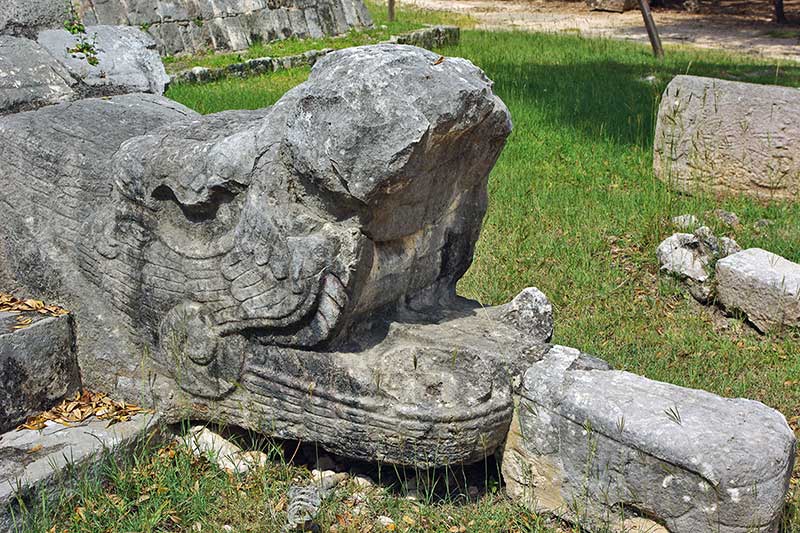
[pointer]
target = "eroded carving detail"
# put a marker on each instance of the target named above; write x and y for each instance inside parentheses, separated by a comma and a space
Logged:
(289, 269)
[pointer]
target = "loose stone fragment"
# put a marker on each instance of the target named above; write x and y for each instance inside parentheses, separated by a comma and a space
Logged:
(613, 451)
(689, 256)
(762, 285)
(222, 452)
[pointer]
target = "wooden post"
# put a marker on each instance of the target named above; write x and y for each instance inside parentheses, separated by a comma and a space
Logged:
(652, 31)
(780, 16)
(391, 10)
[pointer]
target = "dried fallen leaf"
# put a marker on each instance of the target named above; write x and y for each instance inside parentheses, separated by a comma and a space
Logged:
(10, 303)
(84, 405)
(34, 449)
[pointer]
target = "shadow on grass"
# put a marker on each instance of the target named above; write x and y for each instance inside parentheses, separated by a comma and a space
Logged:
(601, 88)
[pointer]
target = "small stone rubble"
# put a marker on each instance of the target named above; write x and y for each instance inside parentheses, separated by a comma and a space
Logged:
(764, 287)
(691, 256)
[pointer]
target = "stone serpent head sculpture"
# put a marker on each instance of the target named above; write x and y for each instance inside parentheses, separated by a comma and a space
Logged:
(290, 269)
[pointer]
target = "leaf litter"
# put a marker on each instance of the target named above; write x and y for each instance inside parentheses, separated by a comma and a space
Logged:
(84, 405)
(11, 304)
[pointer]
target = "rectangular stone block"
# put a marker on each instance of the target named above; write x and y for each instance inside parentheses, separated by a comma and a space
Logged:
(729, 138)
(762, 285)
(36, 464)
(38, 366)
(613, 451)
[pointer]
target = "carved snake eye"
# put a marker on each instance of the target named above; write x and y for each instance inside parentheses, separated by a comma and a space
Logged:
(202, 362)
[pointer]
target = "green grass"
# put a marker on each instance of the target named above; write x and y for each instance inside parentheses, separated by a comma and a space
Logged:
(406, 19)
(167, 488)
(783, 34)
(237, 93)
(574, 210)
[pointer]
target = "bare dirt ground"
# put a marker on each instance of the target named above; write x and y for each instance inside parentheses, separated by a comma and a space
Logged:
(732, 25)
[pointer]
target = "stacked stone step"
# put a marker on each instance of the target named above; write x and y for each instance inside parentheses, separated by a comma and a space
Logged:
(38, 366)
(39, 369)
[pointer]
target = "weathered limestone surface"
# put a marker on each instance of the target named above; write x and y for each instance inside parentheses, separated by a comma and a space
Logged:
(289, 269)
(762, 285)
(690, 256)
(127, 60)
(27, 18)
(729, 138)
(38, 367)
(617, 6)
(30, 77)
(195, 25)
(614, 451)
(34, 464)
(34, 74)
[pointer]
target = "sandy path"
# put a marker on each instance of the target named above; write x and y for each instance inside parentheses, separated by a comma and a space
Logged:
(733, 33)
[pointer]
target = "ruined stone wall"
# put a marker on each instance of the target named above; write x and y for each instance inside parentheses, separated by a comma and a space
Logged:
(195, 25)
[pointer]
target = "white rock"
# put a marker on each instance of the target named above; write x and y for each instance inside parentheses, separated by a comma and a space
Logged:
(246, 461)
(688, 256)
(728, 246)
(327, 479)
(684, 256)
(385, 521)
(203, 441)
(762, 285)
(727, 138)
(530, 311)
(588, 441)
(685, 222)
(363, 482)
(222, 452)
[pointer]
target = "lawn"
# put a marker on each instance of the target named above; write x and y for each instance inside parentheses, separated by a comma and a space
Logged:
(575, 210)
